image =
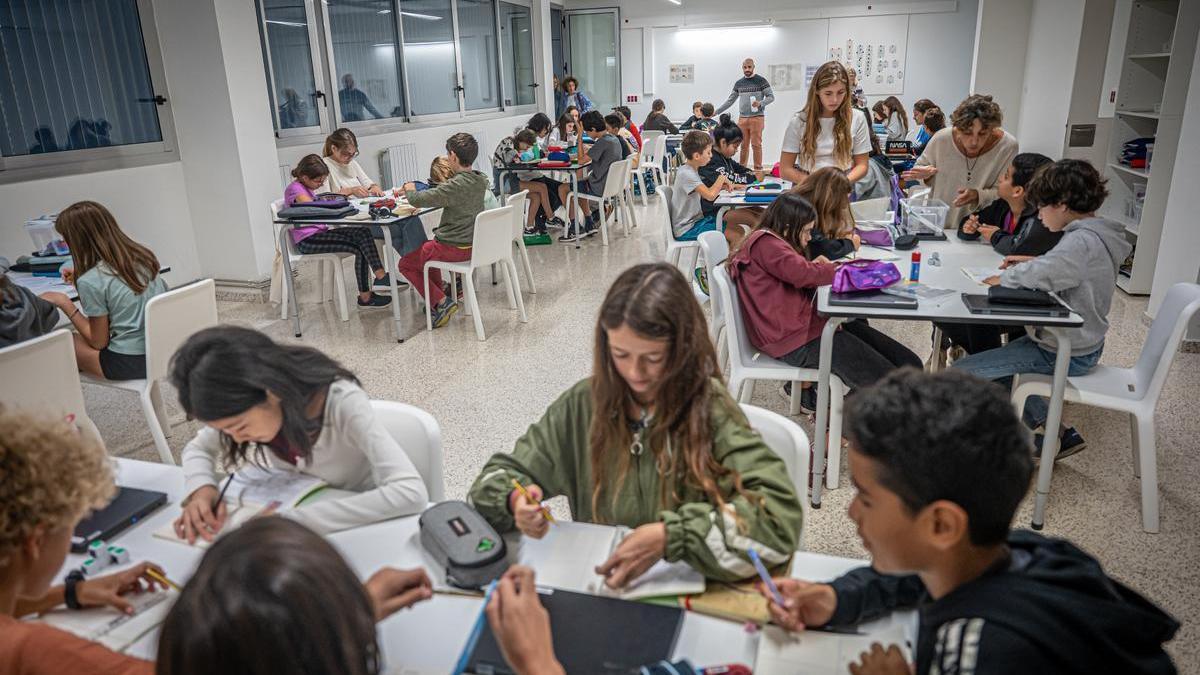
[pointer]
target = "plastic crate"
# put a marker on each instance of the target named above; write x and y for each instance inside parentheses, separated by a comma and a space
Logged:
(923, 214)
(46, 240)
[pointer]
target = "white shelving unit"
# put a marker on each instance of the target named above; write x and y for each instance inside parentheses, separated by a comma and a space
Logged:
(1152, 88)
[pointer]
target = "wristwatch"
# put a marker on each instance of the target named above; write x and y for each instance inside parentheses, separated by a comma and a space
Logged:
(69, 584)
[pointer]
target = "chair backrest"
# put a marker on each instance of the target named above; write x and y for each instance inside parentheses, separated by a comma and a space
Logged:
(519, 203)
(649, 144)
(618, 176)
(172, 318)
(1166, 331)
(418, 434)
(787, 440)
(660, 148)
(493, 236)
(871, 209)
(716, 249)
(40, 375)
(735, 326)
(664, 194)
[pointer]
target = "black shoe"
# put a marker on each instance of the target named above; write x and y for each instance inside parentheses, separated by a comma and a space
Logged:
(556, 222)
(376, 301)
(569, 234)
(1069, 443)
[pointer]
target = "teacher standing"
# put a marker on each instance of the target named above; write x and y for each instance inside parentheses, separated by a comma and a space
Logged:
(753, 94)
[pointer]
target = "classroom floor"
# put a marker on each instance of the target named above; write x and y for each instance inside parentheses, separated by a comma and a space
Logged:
(485, 394)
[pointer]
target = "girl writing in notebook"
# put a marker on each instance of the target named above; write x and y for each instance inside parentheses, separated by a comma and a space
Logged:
(653, 441)
(827, 131)
(290, 408)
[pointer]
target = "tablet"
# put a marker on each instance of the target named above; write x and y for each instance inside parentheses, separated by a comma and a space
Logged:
(872, 299)
(979, 304)
(127, 508)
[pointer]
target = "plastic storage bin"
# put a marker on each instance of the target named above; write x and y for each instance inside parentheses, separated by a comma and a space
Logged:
(923, 214)
(46, 240)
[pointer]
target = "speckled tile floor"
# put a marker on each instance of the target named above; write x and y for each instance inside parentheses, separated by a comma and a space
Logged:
(484, 394)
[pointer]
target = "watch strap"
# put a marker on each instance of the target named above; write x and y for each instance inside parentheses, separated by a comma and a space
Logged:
(69, 589)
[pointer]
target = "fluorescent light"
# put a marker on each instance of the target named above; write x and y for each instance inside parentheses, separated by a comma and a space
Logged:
(766, 23)
(385, 11)
(297, 24)
(426, 17)
(675, 2)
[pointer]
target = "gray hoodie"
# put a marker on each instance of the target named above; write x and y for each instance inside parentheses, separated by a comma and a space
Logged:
(23, 315)
(1082, 270)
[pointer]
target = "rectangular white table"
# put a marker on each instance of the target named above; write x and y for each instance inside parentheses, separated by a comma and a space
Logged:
(954, 254)
(730, 199)
(571, 172)
(429, 637)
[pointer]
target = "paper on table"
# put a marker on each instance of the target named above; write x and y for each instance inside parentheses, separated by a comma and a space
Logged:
(873, 253)
(111, 628)
(238, 514)
(257, 485)
(39, 285)
(978, 274)
(783, 653)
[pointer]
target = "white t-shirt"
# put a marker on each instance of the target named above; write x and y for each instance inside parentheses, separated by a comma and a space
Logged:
(342, 176)
(685, 200)
(860, 141)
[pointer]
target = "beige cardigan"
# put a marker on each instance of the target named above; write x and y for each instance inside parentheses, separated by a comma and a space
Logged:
(952, 171)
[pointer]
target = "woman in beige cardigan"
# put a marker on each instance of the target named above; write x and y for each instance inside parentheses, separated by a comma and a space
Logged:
(963, 163)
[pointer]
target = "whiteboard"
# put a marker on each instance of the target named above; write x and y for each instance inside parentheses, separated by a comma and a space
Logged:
(875, 46)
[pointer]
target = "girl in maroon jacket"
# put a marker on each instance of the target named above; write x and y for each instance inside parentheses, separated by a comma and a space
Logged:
(777, 289)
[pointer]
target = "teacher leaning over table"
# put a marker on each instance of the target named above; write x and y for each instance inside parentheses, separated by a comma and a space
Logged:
(964, 162)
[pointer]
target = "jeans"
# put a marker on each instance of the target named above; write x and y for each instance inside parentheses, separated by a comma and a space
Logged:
(861, 354)
(1019, 356)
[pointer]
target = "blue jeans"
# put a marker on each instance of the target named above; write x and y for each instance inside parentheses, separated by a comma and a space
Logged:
(1019, 356)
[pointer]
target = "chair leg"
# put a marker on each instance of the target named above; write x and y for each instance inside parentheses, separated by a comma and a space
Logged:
(833, 463)
(1149, 464)
(339, 285)
(473, 303)
(747, 392)
(794, 402)
(525, 263)
(428, 305)
(1137, 451)
(937, 362)
(510, 283)
(512, 275)
(284, 298)
(160, 440)
(604, 223)
(324, 280)
(722, 349)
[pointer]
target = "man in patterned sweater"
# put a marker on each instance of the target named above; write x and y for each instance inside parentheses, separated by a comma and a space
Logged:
(753, 94)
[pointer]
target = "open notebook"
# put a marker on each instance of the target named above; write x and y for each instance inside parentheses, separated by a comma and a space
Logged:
(570, 552)
(252, 489)
(111, 628)
(783, 653)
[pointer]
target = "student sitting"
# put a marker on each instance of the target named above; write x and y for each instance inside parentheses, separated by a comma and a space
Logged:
(310, 173)
(727, 139)
(461, 197)
(53, 476)
(540, 125)
(605, 150)
(690, 123)
(879, 115)
(690, 191)
(828, 192)
(513, 149)
(652, 441)
(777, 283)
(897, 119)
(564, 132)
(115, 277)
(940, 464)
(630, 126)
(827, 131)
(614, 124)
(1081, 269)
(346, 175)
(1010, 224)
(23, 315)
(918, 135)
(291, 408)
(877, 181)
(706, 121)
(933, 122)
(657, 120)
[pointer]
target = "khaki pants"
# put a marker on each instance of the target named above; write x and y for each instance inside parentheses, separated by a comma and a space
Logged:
(752, 128)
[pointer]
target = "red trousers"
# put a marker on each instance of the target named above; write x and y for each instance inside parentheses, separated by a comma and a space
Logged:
(411, 267)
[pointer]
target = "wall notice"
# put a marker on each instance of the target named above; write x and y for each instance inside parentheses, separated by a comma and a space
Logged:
(787, 76)
(682, 73)
(875, 46)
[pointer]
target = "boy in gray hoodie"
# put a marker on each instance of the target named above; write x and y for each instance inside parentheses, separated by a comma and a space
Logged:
(1081, 269)
(23, 315)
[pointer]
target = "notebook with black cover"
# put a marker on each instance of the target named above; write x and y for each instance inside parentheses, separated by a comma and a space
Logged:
(593, 634)
(127, 508)
(980, 304)
(871, 299)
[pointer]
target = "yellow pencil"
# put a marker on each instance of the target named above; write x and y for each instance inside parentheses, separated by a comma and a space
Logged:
(525, 493)
(153, 573)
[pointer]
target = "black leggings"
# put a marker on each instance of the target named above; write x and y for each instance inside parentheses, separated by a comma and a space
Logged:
(861, 354)
(356, 240)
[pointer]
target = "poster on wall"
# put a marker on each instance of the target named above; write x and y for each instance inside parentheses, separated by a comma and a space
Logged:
(875, 46)
(682, 73)
(787, 76)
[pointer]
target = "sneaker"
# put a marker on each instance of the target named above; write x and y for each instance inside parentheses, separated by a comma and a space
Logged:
(376, 301)
(702, 279)
(957, 353)
(556, 222)
(458, 294)
(530, 230)
(1069, 443)
(442, 313)
(568, 234)
(808, 397)
(384, 286)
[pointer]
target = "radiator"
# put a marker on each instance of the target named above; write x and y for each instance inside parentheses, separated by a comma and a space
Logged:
(399, 164)
(285, 176)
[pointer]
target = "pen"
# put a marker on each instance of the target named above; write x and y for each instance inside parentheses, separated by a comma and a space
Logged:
(766, 578)
(525, 493)
(160, 577)
(217, 502)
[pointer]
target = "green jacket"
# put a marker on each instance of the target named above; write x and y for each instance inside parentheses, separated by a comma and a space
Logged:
(554, 454)
(461, 199)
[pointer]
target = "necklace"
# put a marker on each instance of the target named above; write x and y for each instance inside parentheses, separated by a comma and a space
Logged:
(971, 168)
(638, 428)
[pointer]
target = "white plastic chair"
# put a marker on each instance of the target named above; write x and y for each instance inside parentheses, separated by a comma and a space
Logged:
(329, 270)
(646, 161)
(492, 243)
(674, 247)
(746, 365)
(627, 193)
(786, 439)
(171, 318)
(614, 189)
(519, 204)
(40, 376)
(715, 249)
(871, 209)
(1133, 390)
(418, 434)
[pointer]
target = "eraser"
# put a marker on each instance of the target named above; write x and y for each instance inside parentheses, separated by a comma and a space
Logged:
(93, 565)
(96, 547)
(118, 554)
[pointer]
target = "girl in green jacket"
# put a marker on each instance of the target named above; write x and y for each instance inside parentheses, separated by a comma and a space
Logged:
(652, 441)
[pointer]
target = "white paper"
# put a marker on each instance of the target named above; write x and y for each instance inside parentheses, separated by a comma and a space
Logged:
(237, 516)
(784, 653)
(257, 485)
(111, 628)
(866, 252)
(978, 274)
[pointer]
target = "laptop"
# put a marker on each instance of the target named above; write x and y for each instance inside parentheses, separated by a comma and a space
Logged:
(126, 509)
(980, 304)
(872, 299)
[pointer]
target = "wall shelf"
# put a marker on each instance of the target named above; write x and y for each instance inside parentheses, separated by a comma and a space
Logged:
(1140, 173)
(1147, 114)
(1156, 55)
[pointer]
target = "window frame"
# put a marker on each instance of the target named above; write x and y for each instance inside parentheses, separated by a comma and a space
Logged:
(20, 168)
(532, 107)
(315, 57)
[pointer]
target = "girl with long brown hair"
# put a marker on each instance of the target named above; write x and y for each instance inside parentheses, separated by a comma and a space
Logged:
(827, 131)
(828, 191)
(897, 119)
(652, 441)
(346, 176)
(115, 277)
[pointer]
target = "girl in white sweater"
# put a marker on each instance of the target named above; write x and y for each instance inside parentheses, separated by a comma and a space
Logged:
(293, 409)
(346, 176)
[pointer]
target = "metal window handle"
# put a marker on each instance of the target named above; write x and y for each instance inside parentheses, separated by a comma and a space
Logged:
(460, 88)
(157, 100)
(534, 85)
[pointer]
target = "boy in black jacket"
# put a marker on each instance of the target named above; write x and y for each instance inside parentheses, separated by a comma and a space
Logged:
(940, 464)
(1010, 224)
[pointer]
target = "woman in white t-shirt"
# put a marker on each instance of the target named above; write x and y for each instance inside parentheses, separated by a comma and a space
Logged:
(827, 132)
(346, 177)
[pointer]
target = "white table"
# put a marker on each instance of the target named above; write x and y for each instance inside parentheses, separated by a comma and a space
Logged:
(955, 254)
(389, 253)
(731, 199)
(572, 175)
(429, 637)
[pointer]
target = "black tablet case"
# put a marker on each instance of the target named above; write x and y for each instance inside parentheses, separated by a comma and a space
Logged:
(127, 508)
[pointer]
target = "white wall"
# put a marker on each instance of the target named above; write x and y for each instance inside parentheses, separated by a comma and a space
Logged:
(1054, 34)
(1001, 40)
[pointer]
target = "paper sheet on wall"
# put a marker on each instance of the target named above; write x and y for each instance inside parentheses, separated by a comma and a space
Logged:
(875, 46)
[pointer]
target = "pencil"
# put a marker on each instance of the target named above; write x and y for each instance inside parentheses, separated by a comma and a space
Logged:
(525, 493)
(217, 502)
(154, 573)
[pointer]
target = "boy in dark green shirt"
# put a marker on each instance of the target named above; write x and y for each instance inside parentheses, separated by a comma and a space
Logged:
(461, 199)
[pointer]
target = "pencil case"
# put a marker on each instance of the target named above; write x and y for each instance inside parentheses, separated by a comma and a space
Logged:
(463, 543)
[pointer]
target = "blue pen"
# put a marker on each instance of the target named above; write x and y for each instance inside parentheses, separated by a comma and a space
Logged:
(762, 573)
(476, 632)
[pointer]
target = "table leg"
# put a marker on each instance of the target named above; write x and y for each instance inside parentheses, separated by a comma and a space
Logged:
(578, 210)
(393, 269)
(721, 217)
(1062, 363)
(287, 276)
(821, 427)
